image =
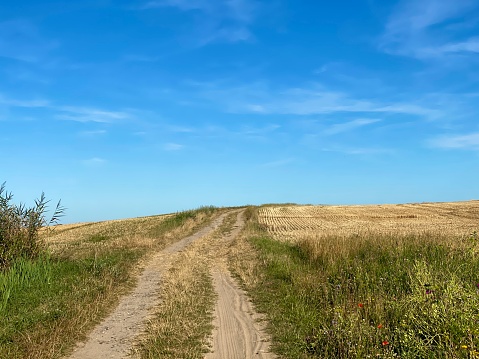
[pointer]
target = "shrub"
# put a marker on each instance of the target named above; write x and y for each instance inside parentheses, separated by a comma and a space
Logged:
(20, 227)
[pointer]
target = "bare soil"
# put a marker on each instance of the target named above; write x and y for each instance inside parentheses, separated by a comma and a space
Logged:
(239, 331)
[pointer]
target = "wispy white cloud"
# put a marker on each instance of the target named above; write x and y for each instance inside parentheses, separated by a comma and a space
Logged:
(140, 58)
(470, 45)
(173, 146)
(94, 133)
(309, 99)
(70, 113)
(23, 103)
(465, 141)
(278, 163)
(350, 125)
(86, 114)
(238, 10)
(94, 162)
(21, 40)
(249, 130)
(181, 129)
(358, 151)
(430, 29)
(220, 21)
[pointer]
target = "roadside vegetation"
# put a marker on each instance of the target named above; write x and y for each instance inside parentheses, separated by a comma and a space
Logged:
(327, 290)
(364, 295)
(57, 284)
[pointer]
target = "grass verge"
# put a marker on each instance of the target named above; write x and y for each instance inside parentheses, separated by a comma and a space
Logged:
(359, 297)
(54, 301)
(48, 312)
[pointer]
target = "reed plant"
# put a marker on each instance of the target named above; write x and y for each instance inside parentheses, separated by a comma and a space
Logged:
(20, 227)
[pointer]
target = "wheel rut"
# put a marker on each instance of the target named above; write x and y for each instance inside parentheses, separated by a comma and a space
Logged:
(239, 331)
(113, 338)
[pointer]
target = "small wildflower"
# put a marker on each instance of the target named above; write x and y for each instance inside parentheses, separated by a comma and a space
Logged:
(385, 342)
(464, 346)
(380, 326)
(429, 291)
(360, 305)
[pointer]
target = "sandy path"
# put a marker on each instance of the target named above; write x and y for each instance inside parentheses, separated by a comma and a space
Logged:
(238, 332)
(113, 337)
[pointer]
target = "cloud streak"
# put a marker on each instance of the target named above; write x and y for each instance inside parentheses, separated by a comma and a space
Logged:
(20, 40)
(423, 29)
(94, 162)
(86, 114)
(220, 21)
(69, 113)
(349, 126)
(465, 141)
(173, 146)
(311, 99)
(6, 101)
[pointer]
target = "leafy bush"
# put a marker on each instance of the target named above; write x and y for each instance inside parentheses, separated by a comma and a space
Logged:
(20, 227)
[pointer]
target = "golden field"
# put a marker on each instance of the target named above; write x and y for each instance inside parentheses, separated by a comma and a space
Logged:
(295, 221)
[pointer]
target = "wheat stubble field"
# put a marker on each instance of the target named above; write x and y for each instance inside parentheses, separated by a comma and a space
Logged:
(286, 281)
(388, 281)
(290, 222)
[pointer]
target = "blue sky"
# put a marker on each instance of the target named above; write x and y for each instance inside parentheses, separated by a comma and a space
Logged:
(131, 108)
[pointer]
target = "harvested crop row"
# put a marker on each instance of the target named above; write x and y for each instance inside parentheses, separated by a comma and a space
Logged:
(292, 222)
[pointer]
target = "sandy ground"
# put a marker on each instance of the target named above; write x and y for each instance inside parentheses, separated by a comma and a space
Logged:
(114, 337)
(239, 332)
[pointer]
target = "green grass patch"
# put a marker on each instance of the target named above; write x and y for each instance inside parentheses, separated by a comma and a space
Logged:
(414, 297)
(57, 300)
(97, 238)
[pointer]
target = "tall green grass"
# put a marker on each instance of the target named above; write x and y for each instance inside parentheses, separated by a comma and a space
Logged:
(21, 275)
(53, 302)
(370, 296)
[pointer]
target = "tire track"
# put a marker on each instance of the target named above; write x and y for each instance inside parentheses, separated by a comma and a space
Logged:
(114, 337)
(238, 332)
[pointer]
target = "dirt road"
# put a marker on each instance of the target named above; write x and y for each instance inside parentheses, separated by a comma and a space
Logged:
(237, 333)
(113, 337)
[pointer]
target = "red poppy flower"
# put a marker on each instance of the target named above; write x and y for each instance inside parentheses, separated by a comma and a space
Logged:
(360, 305)
(385, 342)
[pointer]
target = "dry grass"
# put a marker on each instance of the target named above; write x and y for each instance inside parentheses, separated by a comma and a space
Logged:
(92, 266)
(183, 321)
(83, 239)
(294, 222)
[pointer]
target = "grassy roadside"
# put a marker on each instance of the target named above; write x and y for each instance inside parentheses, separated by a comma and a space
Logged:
(54, 301)
(183, 322)
(360, 297)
